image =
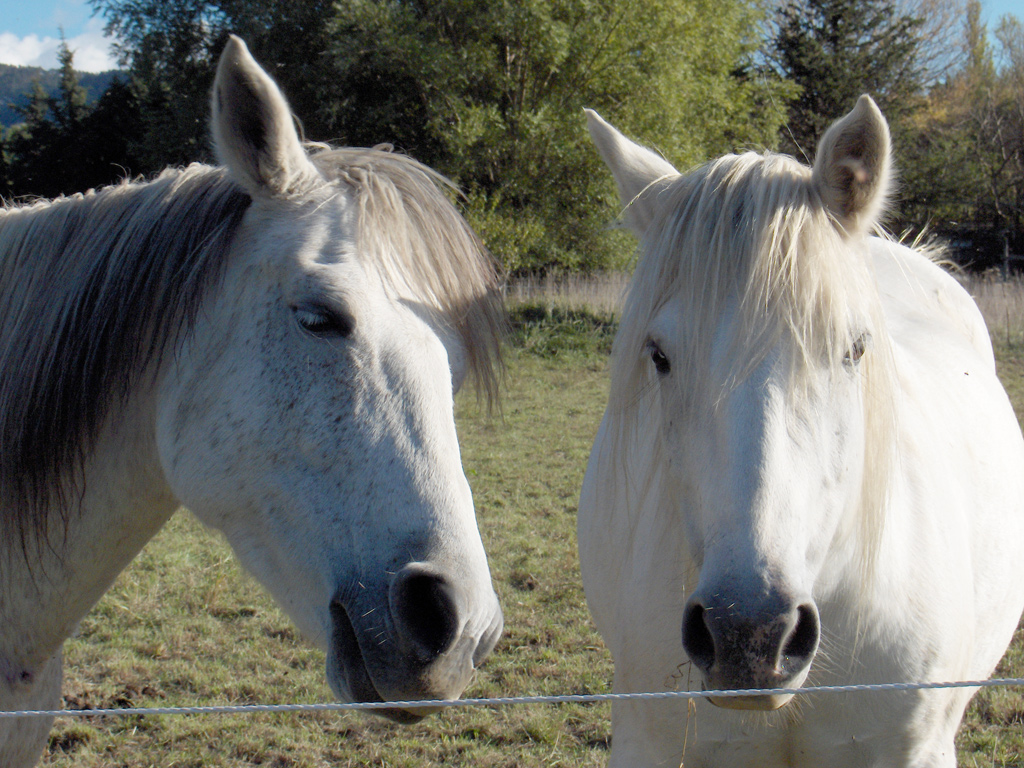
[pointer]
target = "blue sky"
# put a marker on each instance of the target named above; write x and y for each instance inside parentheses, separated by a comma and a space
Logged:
(30, 34)
(29, 31)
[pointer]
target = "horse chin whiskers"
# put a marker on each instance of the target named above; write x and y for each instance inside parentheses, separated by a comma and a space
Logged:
(787, 716)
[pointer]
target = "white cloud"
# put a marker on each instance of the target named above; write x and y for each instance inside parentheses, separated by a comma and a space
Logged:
(23, 51)
(91, 49)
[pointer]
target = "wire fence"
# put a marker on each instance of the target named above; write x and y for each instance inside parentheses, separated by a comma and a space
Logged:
(583, 698)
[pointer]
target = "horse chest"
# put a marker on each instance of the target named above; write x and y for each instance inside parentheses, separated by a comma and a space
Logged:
(794, 747)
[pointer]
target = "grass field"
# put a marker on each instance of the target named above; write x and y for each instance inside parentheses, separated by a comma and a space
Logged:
(184, 626)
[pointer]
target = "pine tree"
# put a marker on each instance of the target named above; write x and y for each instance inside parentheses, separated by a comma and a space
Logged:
(60, 149)
(69, 108)
(5, 171)
(31, 146)
(835, 50)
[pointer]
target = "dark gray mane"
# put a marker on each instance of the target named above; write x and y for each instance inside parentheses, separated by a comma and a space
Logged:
(95, 287)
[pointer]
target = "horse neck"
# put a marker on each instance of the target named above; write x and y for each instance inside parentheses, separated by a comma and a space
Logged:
(122, 500)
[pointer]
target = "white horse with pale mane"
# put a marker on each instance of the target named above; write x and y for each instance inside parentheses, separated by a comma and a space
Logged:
(274, 344)
(807, 473)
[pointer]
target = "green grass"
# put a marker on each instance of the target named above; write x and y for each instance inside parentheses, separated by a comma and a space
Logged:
(184, 625)
(992, 733)
(562, 333)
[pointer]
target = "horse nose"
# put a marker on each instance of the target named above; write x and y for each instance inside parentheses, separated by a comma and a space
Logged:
(759, 644)
(428, 609)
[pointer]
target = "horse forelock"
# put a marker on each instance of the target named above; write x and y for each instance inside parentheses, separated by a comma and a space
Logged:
(750, 230)
(97, 287)
(410, 232)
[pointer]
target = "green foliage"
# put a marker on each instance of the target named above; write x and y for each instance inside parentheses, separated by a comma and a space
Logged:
(964, 160)
(835, 50)
(492, 94)
(489, 93)
(69, 106)
(5, 171)
(63, 145)
(553, 332)
(518, 238)
(169, 49)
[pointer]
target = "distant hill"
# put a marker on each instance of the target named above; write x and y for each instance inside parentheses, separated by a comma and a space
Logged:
(16, 85)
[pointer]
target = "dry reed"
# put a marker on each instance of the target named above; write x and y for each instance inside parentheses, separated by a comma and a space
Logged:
(600, 293)
(1001, 300)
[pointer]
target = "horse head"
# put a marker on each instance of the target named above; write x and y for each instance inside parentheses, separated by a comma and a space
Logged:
(308, 413)
(752, 341)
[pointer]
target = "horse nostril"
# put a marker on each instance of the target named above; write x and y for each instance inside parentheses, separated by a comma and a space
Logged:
(697, 640)
(425, 606)
(802, 642)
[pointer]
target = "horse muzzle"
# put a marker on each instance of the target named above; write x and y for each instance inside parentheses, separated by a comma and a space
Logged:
(765, 645)
(422, 641)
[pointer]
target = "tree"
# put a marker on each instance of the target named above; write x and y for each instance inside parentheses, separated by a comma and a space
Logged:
(33, 167)
(835, 50)
(1006, 135)
(5, 170)
(114, 136)
(965, 165)
(939, 51)
(492, 93)
(488, 92)
(63, 146)
(937, 172)
(68, 108)
(169, 49)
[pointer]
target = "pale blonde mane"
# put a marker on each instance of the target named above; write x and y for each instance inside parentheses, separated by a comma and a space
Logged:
(751, 229)
(419, 242)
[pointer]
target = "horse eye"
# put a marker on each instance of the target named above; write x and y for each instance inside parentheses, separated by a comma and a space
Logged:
(857, 349)
(323, 322)
(661, 362)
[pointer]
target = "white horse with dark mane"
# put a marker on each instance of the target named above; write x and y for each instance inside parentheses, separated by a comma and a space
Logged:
(274, 344)
(807, 473)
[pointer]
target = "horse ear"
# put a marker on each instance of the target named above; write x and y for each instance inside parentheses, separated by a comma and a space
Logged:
(852, 168)
(253, 131)
(634, 169)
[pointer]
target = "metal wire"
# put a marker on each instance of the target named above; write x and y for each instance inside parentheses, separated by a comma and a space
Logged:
(585, 698)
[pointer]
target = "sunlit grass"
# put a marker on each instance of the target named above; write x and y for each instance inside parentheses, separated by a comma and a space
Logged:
(599, 294)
